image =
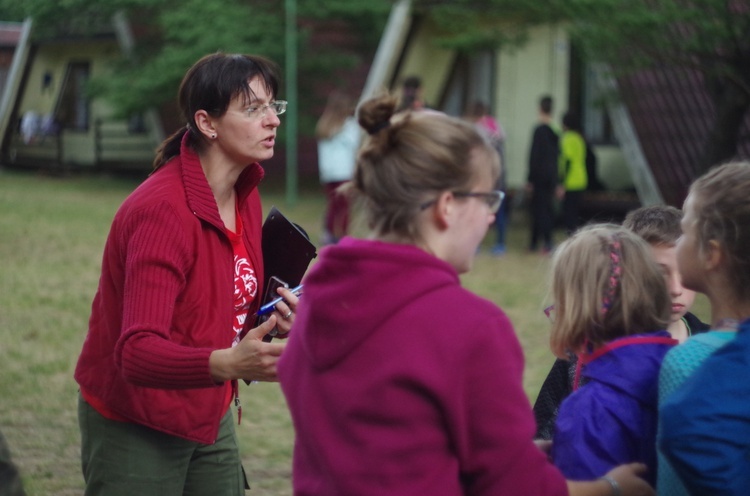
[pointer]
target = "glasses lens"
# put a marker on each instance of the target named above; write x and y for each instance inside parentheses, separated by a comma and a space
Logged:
(278, 107)
(494, 200)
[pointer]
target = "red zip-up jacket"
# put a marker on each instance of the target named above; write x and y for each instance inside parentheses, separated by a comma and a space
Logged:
(165, 301)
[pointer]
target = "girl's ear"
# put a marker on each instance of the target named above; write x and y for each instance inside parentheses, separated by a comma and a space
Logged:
(205, 123)
(443, 211)
(714, 255)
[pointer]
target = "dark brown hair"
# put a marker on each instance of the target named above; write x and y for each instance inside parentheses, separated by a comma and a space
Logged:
(339, 107)
(545, 104)
(210, 85)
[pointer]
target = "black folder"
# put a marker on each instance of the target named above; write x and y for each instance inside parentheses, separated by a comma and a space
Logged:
(287, 249)
(287, 252)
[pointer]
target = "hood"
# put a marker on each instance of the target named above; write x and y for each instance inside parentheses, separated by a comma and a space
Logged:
(631, 369)
(357, 285)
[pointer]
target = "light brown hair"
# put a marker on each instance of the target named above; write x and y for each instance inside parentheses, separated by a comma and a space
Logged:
(410, 158)
(338, 108)
(721, 203)
(657, 224)
(594, 305)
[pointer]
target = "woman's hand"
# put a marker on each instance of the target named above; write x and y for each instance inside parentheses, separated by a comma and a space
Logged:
(285, 312)
(251, 360)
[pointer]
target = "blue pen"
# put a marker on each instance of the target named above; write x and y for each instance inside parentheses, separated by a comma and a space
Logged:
(271, 305)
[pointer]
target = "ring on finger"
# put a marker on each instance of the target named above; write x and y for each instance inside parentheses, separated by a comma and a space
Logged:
(288, 315)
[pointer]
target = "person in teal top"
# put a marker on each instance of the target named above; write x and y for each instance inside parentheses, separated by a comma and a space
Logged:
(678, 365)
(572, 169)
(696, 448)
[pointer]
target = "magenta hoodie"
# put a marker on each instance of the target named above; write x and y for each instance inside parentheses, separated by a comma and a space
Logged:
(401, 382)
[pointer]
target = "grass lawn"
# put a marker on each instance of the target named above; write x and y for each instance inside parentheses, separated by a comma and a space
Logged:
(52, 231)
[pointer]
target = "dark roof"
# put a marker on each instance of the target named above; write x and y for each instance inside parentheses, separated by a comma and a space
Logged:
(10, 33)
(672, 115)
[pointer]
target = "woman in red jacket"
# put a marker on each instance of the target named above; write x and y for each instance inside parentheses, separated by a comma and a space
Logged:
(182, 276)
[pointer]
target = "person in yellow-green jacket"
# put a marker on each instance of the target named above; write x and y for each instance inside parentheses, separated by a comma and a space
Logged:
(572, 169)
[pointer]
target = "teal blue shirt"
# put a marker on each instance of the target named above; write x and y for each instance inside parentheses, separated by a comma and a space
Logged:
(678, 365)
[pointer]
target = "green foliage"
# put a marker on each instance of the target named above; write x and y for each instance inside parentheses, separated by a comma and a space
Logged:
(150, 76)
(367, 17)
(712, 36)
(177, 33)
(471, 25)
(702, 34)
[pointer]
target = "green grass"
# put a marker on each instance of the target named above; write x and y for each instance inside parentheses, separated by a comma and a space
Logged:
(52, 232)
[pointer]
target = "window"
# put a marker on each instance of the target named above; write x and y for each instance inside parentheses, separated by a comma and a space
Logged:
(73, 106)
(589, 101)
(472, 79)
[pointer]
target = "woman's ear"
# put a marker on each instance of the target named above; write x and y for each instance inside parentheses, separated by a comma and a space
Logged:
(205, 124)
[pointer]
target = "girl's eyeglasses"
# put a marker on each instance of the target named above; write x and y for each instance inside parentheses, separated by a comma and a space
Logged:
(493, 199)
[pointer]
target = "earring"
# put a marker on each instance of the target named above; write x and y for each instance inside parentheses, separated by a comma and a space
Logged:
(213, 136)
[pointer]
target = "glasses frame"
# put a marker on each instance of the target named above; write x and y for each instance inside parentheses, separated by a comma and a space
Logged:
(278, 107)
(493, 199)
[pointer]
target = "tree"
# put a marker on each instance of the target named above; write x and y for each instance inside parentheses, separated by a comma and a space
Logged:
(175, 33)
(711, 37)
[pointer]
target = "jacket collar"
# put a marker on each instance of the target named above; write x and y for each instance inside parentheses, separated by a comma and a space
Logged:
(200, 198)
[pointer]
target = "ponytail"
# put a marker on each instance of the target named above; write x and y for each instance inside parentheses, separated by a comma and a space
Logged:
(169, 148)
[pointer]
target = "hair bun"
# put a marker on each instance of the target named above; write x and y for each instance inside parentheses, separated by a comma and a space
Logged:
(375, 114)
(378, 127)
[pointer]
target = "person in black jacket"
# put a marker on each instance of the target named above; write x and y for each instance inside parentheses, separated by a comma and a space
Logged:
(659, 226)
(543, 177)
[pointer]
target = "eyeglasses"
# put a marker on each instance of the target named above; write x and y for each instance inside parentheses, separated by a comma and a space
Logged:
(278, 107)
(493, 199)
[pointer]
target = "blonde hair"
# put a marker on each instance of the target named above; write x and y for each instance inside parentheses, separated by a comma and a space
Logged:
(721, 203)
(605, 285)
(338, 108)
(410, 158)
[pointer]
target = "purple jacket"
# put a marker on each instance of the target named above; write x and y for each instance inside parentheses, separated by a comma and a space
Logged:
(612, 419)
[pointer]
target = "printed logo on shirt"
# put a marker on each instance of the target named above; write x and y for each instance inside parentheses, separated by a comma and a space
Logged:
(245, 289)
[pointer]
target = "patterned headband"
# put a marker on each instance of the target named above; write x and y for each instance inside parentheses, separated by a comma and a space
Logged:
(615, 273)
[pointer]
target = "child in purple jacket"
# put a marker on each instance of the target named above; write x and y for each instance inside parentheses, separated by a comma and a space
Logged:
(611, 309)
